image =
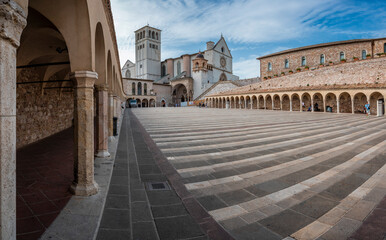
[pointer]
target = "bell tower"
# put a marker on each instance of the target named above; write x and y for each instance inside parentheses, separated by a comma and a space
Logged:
(148, 53)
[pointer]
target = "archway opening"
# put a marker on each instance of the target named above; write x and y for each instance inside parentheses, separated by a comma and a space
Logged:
(145, 103)
(318, 103)
(163, 103)
(139, 102)
(242, 102)
(248, 102)
(180, 94)
(331, 103)
(286, 103)
(232, 103)
(268, 101)
(237, 102)
(345, 105)
(306, 100)
(374, 97)
(276, 102)
(261, 102)
(360, 101)
(254, 102)
(295, 102)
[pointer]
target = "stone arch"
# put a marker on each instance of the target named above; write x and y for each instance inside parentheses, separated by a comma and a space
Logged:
(139, 102)
(242, 102)
(296, 104)
(254, 102)
(248, 102)
(237, 102)
(276, 102)
(223, 77)
(374, 97)
(345, 104)
(232, 102)
(285, 102)
(318, 102)
(145, 103)
(306, 99)
(224, 102)
(268, 102)
(359, 102)
(261, 102)
(100, 64)
(331, 102)
(152, 103)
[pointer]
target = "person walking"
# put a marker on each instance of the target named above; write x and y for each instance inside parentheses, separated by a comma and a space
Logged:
(367, 106)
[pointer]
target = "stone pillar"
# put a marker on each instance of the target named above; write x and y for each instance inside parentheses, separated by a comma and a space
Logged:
(337, 106)
(290, 105)
(12, 23)
(102, 138)
(312, 105)
(265, 104)
(84, 184)
(111, 114)
(273, 104)
(353, 106)
(324, 105)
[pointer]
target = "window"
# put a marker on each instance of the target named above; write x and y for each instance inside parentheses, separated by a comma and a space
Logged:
(153, 35)
(384, 47)
(178, 67)
(286, 63)
(269, 66)
(140, 35)
(149, 33)
(322, 59)
(133, 88)
(139, 91)
(163, 70)
(341, 56)
(145, 89)
(140, 66)
(304, 61)
(222, 49)
(128, 74)
(364, 53)
(156, 36)
(196, 65)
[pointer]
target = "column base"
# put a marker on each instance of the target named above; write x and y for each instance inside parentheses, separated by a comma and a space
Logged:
(84, 190)
(102, 154)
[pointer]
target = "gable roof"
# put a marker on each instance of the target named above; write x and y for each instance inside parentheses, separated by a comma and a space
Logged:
(226, 45)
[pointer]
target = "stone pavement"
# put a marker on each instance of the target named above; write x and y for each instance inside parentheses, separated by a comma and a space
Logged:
(144, 200)
(274, 175)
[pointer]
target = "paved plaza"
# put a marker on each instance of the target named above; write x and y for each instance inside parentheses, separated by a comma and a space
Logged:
(271, 174)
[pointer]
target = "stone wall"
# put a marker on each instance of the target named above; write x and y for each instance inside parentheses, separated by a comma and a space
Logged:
(312, 55)
(41, 115)
(369, 71)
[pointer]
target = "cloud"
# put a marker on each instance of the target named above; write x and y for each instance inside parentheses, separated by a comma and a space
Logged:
(247, 68)
(187, 23)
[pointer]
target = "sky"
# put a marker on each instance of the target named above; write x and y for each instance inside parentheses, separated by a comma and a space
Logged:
(252, 28)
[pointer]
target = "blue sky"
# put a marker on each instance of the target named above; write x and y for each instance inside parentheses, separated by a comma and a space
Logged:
(252, 28)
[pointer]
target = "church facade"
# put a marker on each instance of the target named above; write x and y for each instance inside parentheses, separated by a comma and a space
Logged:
(188, 76)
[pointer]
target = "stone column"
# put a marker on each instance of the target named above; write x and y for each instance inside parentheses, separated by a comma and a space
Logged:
(84, 184)
(245, 104)
(290, 105)
(111, 114)
(353, 106)
(312, 105)
(102, 138)
(265, 104)
(12, 23)
(273, 104)
(337, 107)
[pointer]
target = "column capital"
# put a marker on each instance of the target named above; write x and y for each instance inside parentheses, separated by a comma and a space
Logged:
(102, 87)
(13, 20)
(84, 79)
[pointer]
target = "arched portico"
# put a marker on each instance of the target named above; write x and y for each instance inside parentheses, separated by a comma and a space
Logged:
(254, 102)
(306, 100)
(296, 104)
(359, 103)
(318, 102)
(345, 104)
(276, 102)
(331, 103)
(285, 102)
(242, 102)
(261, 102)
(237, 102)
(374, 97)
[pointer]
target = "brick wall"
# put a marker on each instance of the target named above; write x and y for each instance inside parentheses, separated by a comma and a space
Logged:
(331, 53)
(40, 116)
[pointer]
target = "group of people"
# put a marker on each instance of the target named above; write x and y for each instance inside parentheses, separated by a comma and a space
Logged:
(329, 109)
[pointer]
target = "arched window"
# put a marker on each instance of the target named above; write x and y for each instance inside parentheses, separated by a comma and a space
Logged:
(128, 74)
(156, 36)
(341, 56)
(364, 53)
(149, 33)
(139, 91)
(223, 77)
(178, 67)
(163, 70)
(286, 63)
(145, 89)
(222, 49)
(143, 33)
(322, 59)
(133, 88)
(269, 66)
(153, 35)
(304, 61)
(196, 64)
(140, 35)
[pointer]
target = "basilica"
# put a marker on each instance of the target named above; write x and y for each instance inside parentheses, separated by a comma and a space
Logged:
(174, 81)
